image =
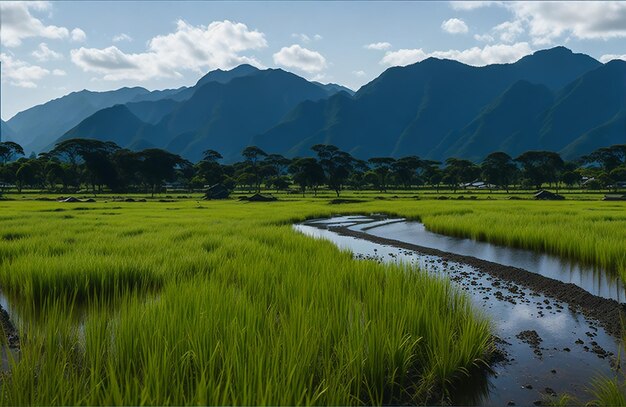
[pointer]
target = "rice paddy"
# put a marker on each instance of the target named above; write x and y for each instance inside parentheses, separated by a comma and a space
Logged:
(223, 303)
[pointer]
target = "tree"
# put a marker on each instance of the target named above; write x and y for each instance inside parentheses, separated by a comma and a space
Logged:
(8, 149)
(253, 155)
(157, 166)
(382, 169)
(279, 182)
(278, 164)
(499, 169)
(336, 164)
(539, 167)
(211, 156)
(606, 181)
(54, 174)
(436, 178)
(608, 157)
(211, 172)
(127, 166)
(371, 178)
(429, 170)
(25, 175)
(185, 174)
(619, 174)
(307, 172)
(96, 156)
(570, 178)
(459, 171)
(404, 169)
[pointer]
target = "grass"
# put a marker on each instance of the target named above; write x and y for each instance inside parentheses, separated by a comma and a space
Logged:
(219, 303)
(223, 303)
(592, 233)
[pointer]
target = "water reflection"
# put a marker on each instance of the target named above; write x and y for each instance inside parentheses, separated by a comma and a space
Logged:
(592, 280)
(563, 362)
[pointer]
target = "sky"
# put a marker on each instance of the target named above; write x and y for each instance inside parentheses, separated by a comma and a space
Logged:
(49, 49)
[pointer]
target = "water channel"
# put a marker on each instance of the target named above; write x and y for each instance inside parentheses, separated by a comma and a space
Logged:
(569, 349)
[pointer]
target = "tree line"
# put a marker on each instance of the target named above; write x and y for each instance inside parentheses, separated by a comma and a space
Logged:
(97, 166)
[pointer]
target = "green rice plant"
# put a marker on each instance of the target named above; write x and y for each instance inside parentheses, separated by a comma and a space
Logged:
(223, 303)
(608, 392)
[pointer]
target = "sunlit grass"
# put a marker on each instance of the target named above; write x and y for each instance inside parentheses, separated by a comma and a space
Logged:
(219, 303)
(223, 303)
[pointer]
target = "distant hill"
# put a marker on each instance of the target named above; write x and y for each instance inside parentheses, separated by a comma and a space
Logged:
(441, 108)
(333, 88)
(508, 123)
(221, 115)
(224, 77)
(117, 124)
(152, 111)
(595, 101)
(553, 99)
(40, 126)
(6, 134)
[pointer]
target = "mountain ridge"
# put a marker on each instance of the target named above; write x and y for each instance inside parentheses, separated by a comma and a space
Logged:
(435, 109)
(422, 109)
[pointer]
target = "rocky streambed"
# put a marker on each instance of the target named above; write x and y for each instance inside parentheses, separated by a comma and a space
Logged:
(554, 336)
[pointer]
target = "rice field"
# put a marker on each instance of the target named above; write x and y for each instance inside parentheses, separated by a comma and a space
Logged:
(222, 303)
(218, 303)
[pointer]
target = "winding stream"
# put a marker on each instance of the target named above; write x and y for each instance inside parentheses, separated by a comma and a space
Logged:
(570, 349)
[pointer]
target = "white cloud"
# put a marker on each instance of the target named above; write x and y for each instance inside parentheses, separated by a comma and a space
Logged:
(483, 37)
(378, 46)
(78, 35)
(473, 5)
(319, 77)
(59, 72)
(609, 57)
(301, 37)
(43, 53)
(509, 30)
(476, 56)
(20, 73)
(454, 26)
(305, 38)
(17, 23)
(196, 48)
(403, 57)
(549, 21)
(359, 74)
(301, 58)
(122, 37)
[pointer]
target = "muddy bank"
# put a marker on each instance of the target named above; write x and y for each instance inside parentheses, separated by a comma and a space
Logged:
(8, 329)
(607, 312)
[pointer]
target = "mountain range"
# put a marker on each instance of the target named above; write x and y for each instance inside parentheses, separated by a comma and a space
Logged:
(553, 99)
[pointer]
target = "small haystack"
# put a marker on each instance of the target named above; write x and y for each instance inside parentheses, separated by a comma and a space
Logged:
(70, 199)
(217, 191)
(614, 197)
(548, 196)
(260, 198)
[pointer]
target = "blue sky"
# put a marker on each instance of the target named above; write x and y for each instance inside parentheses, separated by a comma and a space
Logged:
(49, 49)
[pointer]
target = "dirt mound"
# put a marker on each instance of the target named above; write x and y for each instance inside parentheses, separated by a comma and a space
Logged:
(72, 199)
(548, 196)
(259, 198)
(217, 191)
(614, 197)
(339, 201)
